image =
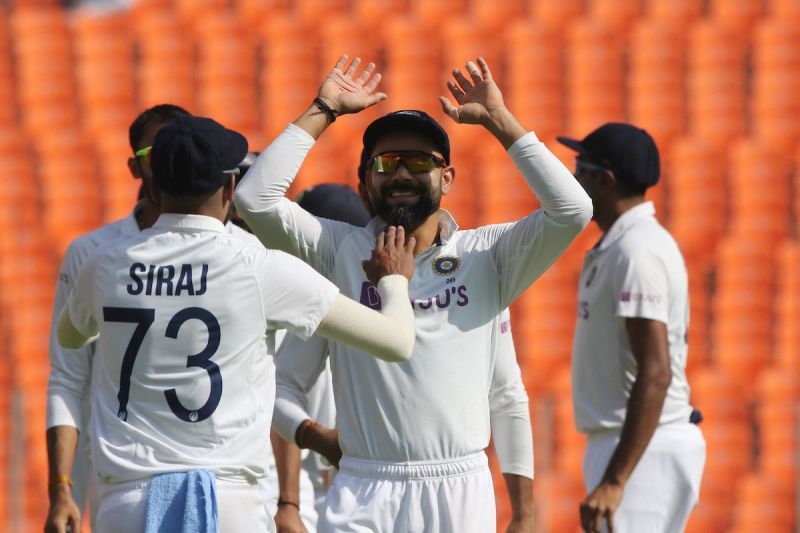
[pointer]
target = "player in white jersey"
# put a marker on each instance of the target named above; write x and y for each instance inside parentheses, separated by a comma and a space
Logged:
(70, 370)
(185, 316)
(644, 458)
(299, 493)
(413, 436)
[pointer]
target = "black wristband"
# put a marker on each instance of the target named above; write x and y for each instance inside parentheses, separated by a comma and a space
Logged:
(325, 108)
(287, 502)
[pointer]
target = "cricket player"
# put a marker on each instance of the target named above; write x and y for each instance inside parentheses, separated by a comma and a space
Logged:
(411, 437)
(70, 370)
(645, 456)
(300, 486)
(184, 315)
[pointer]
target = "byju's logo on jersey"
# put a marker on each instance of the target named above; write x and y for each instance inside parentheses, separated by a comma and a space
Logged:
(444, 265)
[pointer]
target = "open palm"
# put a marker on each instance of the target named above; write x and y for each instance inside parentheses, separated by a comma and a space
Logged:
(477, 96)
(345, 93)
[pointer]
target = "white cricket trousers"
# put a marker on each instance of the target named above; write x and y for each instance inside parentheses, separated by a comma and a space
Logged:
(665, 485)
(242, 507)
(431, 496)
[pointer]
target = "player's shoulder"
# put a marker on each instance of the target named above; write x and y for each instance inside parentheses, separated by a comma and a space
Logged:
(647, 238)
(83, 247)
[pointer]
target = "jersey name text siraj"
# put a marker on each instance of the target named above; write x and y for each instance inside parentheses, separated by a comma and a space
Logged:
(161, 280)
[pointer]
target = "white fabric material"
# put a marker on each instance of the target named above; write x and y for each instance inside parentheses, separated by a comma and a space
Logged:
(242, 507)
(388, 335)
(433, 496)
(664, 487)
(436, 406)
(637, 270)
(70, 370)
(215, 301)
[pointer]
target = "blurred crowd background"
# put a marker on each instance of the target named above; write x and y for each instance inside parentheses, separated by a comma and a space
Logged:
(716, 82)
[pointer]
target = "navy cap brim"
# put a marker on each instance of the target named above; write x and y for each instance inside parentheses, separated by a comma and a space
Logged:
(571, 143)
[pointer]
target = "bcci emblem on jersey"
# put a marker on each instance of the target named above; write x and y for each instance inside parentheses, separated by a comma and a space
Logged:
(445, 265)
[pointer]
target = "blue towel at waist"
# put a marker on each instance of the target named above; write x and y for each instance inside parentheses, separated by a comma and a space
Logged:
(182, 502)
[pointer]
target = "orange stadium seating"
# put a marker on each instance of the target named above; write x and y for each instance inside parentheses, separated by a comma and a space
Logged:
(716, 82)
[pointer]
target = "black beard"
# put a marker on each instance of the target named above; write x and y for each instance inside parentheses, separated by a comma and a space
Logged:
(410, 217)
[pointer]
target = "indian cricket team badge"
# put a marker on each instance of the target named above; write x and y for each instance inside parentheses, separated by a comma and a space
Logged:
(590, 277)
(444, 265)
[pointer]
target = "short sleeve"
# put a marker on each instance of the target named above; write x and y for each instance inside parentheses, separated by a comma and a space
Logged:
(81, 304)
(642, 286)
(295, 296)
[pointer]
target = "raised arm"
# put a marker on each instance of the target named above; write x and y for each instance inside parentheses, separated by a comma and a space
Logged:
(260, 198)
(525, 249)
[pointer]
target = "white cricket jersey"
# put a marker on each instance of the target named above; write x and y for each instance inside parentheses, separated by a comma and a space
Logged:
(636, 271)
(70, 370)
(437, 405)
(183, 375)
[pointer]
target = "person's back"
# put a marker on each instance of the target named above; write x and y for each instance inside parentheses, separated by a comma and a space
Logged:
(185, 294)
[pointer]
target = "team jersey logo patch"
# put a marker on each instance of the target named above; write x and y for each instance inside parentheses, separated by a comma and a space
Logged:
(445, 265)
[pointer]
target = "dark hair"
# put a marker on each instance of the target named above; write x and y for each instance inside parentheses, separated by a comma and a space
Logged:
(627, 190)
(158, 114)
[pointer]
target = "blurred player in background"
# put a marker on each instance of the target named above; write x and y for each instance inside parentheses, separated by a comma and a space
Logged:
(645, 456)
(190, 305)
(301, 494)
(70, 370)
(413, 435)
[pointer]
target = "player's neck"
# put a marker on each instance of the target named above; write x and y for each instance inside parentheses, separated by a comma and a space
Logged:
(147, 213)
(426, 234)
(605, 218)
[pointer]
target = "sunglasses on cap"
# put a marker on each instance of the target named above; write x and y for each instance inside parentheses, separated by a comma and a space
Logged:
(415, 162)
(146, 153)
(582, 167)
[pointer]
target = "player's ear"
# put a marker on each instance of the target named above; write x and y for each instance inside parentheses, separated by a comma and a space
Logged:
(448, 179)
(133, 166)
(153, 192)
(227, 189)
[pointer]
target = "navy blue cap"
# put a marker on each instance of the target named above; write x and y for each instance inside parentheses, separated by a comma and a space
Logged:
(193, 156)
(335, 202)
(405, 120)
(628, 151)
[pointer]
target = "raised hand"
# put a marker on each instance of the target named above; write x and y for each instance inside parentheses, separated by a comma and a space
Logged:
(478, 96)
(344, 92)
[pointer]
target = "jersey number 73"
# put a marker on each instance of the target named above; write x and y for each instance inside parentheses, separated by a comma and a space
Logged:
(144, 318)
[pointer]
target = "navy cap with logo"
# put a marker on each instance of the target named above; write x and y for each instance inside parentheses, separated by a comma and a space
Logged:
(193, 156)
(405, 120)
(335, 202)
(626, 150)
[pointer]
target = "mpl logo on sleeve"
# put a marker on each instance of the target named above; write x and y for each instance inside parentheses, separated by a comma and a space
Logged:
(444, 265)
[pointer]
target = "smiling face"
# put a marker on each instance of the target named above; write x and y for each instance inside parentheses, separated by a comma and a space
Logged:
(406, 196)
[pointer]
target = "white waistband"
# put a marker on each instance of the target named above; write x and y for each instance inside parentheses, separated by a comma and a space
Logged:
(468, 464)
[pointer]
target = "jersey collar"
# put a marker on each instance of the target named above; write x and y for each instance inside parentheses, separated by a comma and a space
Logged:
(626, 221)
(192, 222)
(447, 226)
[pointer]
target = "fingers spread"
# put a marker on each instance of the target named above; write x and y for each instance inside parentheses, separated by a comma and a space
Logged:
(340, 63)
(474, 73)
(410, 245)
(381, 239)
(373, 83)
(367, 73)
(449, 108)
(353, 66)
(456, 91)
(487, 74)
(462, 80)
